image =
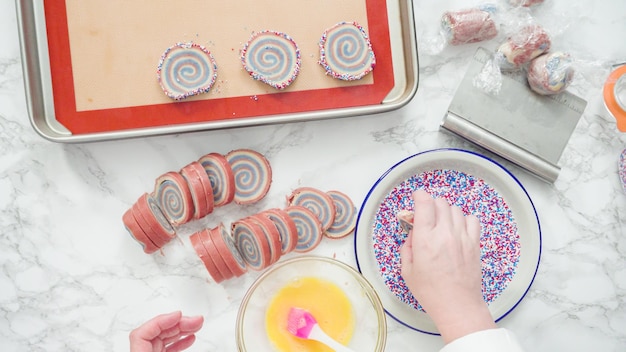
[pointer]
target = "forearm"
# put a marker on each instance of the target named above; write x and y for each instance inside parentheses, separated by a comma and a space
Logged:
(458, 322)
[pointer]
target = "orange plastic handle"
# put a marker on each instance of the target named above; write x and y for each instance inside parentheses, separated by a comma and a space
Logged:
(610, 98)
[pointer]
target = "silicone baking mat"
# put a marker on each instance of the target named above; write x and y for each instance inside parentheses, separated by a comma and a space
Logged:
(104, 56)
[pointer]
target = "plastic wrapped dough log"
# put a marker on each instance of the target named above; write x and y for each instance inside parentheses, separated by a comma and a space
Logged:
(550, 73)
(469, 25)
(523, 46)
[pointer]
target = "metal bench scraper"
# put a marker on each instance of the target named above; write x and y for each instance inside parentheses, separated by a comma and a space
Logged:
(517, 124)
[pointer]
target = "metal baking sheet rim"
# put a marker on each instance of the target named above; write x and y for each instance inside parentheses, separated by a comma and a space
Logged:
(38, 82)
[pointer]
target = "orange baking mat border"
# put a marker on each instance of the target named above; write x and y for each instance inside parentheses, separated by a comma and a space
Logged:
(201, 111)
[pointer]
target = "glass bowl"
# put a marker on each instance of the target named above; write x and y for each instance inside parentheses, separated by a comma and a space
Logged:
(370, 330)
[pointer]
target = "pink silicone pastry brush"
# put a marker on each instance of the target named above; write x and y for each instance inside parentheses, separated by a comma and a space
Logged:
(302, 324)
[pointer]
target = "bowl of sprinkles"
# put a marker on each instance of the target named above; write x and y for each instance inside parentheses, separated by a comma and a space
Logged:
(510, 229)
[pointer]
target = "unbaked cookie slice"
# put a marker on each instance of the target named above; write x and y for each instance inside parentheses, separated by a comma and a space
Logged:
(272, 58)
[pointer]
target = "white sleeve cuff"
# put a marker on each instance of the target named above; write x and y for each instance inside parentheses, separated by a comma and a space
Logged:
(491, 340)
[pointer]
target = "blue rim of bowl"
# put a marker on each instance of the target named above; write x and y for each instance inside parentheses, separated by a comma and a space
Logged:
(382, 177)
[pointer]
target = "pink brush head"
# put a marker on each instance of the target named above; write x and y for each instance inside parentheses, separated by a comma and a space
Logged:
(300, 322)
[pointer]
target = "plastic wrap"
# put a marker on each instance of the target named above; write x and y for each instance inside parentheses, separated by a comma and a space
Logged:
(550, 73)
(525, 3)
(463, 26)
(525, 44)
(469, 25)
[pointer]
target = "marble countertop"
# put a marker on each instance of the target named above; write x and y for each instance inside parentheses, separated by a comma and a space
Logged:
(72, 279)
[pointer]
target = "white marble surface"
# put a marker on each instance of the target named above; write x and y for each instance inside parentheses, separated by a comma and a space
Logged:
(71, 279)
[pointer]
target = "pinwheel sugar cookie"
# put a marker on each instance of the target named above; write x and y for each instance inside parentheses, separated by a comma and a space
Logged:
(287, 229)
(221, 177)
(223, 240)
(186, 69)
(309, 228)
(318, 202)
(252, 173)
(345, 215)
(346, 52)
(174, 198)
(252, 244)
(272, 57)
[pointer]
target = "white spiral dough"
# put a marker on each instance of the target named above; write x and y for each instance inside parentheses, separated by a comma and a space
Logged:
(220, 176)
(186, 69)
(346, 52)
(272, 58)
(309, 228)
(253, 175)
(252, 244)
(345, 215)
(320, 203)
(174, 198)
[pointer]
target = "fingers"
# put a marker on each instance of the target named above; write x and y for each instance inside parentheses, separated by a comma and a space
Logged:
(155, 326)
(472, 226)
(186, 326)
(443, 213)
(191, 324)
(181, 344)
(424, 218)
(406, 251)
(171, 331)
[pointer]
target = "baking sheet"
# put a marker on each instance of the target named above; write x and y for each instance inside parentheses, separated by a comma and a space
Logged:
(90, 67)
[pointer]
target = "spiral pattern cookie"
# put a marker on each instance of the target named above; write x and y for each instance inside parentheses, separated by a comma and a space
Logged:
(158, 238)
(318, 202)
(174, 198)
(221, 177)
(225, 244)
(211, 249)
(345, 215)
(137, 233)
(287, 229)
(252, 244)
(272, 58)
(272, 235)
(199, 197)
(186, 69)
(159, 216)
(309, 228)
(252, 173)
(204, 256)
(346, 52)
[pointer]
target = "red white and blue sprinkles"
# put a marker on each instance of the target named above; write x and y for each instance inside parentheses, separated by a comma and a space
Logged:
(272, 57)
(346, 52)
(186, 69)
(500, 241)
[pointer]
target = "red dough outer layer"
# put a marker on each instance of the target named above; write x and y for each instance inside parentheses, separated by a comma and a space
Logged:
(202, 253)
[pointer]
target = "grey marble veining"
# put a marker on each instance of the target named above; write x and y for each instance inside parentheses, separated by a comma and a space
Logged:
(71, 279)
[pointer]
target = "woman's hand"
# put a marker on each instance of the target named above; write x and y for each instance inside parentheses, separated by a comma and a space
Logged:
(171, 332)
(442, 268)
